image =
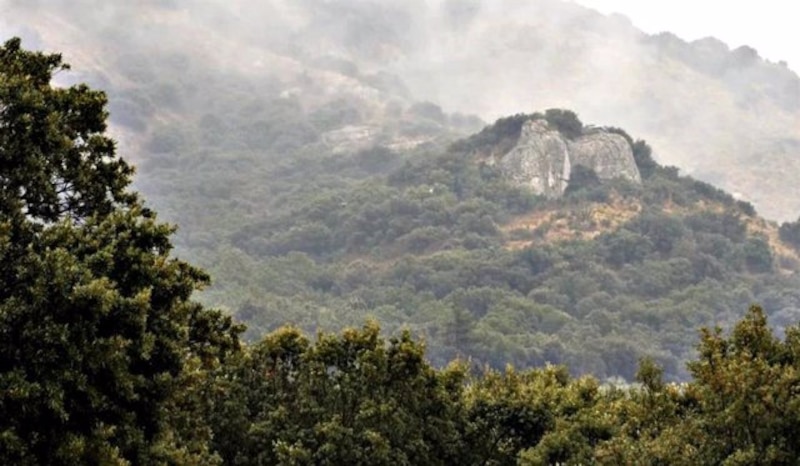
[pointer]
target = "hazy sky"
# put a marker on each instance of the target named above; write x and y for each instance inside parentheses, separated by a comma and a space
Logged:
(770, 26)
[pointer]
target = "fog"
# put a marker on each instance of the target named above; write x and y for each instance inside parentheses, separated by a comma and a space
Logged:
(722, 115)
(771, 24)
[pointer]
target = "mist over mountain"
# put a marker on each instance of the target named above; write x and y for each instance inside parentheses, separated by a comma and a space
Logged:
(725, 116)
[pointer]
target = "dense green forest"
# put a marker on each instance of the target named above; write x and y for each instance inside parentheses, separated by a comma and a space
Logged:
(106, 357)
(293, 229)
(437, 242)
(315, 188)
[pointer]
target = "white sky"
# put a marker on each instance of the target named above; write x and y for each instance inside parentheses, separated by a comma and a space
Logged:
(770, 26)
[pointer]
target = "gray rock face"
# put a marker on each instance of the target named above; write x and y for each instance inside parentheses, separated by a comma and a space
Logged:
(540, 160)
(543, 159)
(608, 154)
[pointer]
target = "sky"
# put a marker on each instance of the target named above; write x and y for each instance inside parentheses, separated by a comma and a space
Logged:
(769, 26)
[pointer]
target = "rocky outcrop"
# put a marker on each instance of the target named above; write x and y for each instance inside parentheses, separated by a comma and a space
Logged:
(543, 158)
(540, 160)
(608, 154)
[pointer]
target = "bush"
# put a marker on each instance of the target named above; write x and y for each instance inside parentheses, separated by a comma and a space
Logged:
(565, 121)
(790, 233)
(757, 255)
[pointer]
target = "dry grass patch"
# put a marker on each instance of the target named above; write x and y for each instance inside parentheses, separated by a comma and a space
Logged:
(582, 223)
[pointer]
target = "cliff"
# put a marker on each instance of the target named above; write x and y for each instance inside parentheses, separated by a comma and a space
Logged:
(543, 158)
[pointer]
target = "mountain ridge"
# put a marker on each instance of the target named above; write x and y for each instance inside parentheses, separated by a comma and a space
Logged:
(731, 118)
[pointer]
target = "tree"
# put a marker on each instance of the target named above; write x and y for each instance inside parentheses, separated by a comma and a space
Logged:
(584, 180)
(757, 255)
(740, 408)
(565, 121)
(643, 156)
(747, 386)
(102, 351)
(535, 417)
(790, 233)
(348, 399)
(56, 161)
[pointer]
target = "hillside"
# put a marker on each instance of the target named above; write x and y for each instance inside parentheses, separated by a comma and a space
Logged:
(105, 357)
(445, 245)
(315, 155)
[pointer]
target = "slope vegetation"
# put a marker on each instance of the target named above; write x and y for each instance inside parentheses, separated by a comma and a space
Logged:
(445, 246)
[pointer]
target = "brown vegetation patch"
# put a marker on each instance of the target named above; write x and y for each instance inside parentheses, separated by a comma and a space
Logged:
(582, 222)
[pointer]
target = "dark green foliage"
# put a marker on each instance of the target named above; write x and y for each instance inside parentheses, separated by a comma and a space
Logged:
(565, 121)
(582, 178)
(352, 399)
(357, 399)
(503, 135)
(98, 329)
(408, 247)
(513, 411)
(643, 155)
(746, 391)
(727, 224)
(335, 115)
(444, 200)
(790, 233)
(625, 247)
(102, 351)
(739, 408)
(757, 255)
(55, 160)
(585, 184)
(746, 208)
(663, 230)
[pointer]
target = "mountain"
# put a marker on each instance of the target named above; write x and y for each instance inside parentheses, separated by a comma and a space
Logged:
(458, 250)
(325, 162)
(724, 116)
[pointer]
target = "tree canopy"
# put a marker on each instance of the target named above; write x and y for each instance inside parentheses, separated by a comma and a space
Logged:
(98, 333)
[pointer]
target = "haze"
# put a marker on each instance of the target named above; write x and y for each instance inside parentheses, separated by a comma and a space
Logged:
(714, 109)
(769, 26)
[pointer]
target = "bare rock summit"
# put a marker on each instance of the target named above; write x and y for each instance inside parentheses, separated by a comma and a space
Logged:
(543, 158)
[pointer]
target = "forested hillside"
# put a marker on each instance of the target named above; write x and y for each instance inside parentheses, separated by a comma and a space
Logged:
(316, 189)
(106, 358)
(445, 246)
